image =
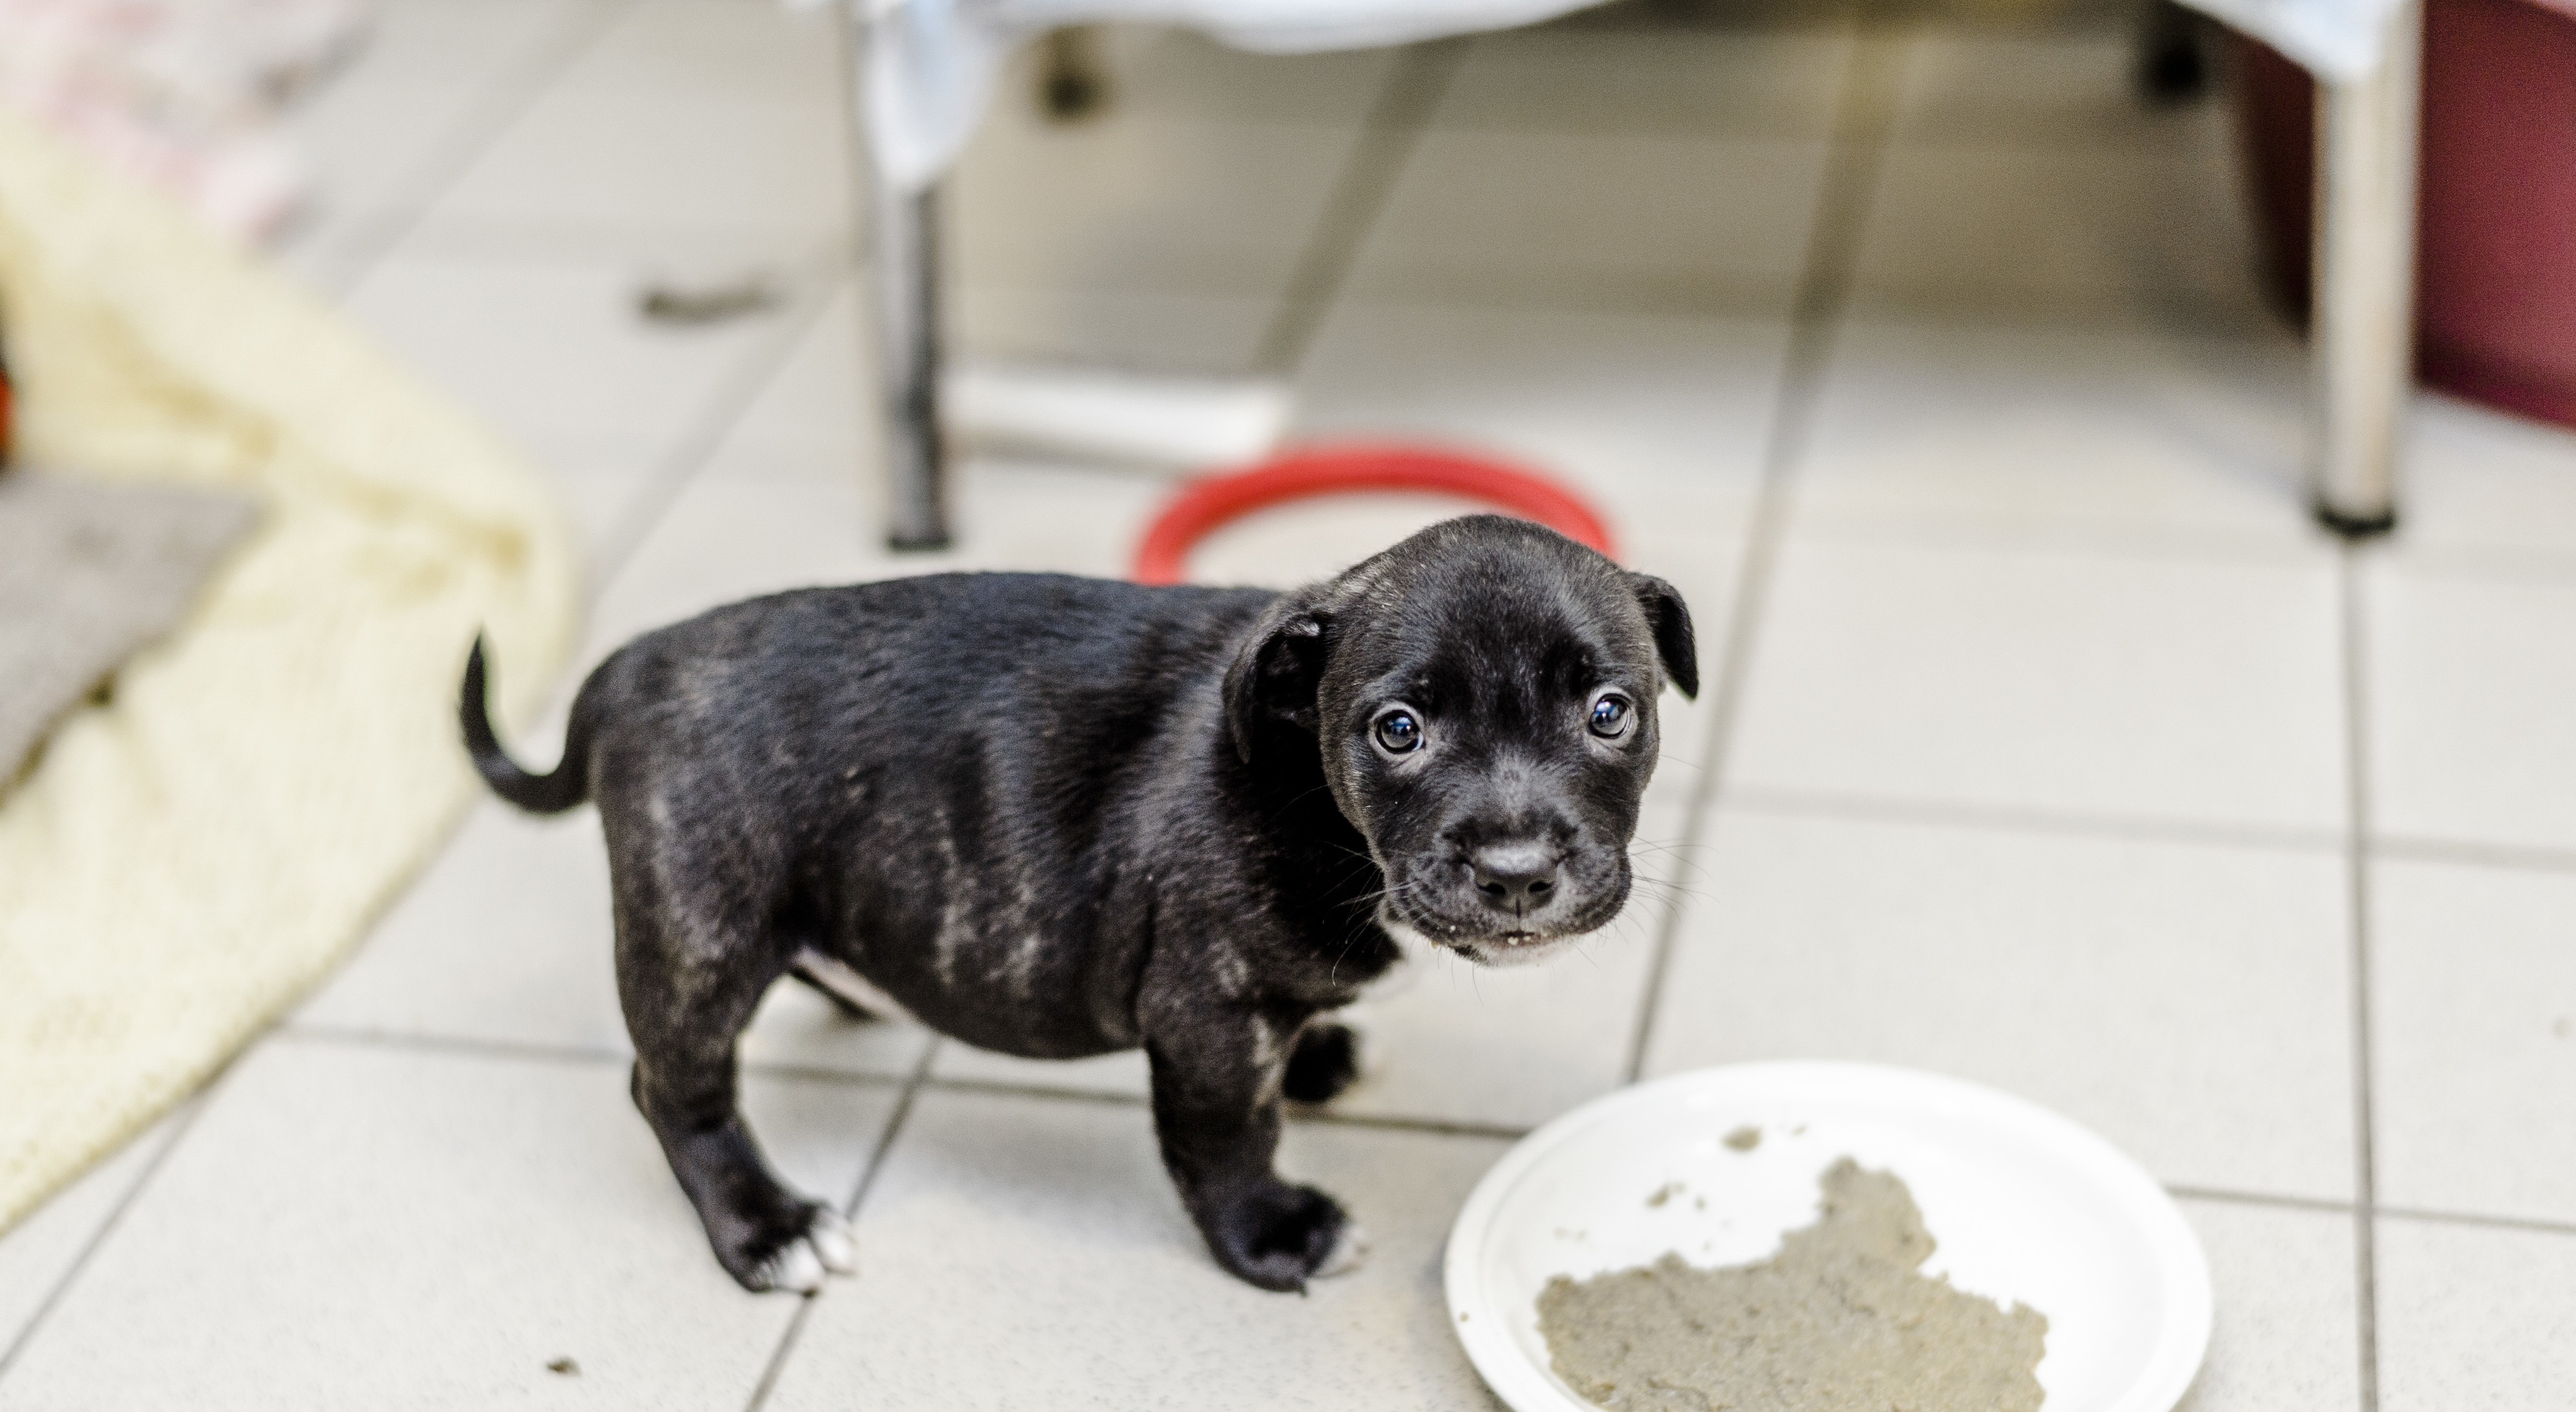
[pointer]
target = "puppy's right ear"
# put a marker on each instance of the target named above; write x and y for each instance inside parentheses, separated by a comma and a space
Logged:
(1274, 677)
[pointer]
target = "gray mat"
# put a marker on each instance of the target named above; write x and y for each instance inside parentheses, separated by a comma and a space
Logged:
(89, 573)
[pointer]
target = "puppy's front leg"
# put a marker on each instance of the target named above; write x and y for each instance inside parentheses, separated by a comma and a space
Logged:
(1216, 1111)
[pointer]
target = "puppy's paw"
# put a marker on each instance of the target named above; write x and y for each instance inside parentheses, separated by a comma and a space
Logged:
(1278, 1236)
(1325, 1063)
(1350, 1251)
(799, 1262)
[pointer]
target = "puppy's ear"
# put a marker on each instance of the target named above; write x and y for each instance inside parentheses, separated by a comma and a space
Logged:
(1669, 619)
(1273, 678)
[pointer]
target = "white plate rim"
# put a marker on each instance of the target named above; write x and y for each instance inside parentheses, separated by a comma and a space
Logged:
(1482, 1326)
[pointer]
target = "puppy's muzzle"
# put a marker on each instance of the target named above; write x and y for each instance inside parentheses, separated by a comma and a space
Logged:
(1502, 903)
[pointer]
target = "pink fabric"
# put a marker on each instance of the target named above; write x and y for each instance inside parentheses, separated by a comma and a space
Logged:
(182, 94)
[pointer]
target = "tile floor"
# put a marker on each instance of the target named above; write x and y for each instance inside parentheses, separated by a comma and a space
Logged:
(2043, 744)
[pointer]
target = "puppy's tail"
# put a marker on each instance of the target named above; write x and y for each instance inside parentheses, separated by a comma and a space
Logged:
(538, 794)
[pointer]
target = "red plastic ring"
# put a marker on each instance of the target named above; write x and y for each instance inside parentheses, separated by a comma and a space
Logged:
(1211, 501)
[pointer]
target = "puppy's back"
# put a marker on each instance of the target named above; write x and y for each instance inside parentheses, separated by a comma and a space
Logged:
(768, 695)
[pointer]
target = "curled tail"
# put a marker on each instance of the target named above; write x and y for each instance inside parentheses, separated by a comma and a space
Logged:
(538, 794)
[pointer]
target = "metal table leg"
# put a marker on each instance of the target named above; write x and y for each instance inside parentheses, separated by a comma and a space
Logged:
(899, 318)
(2363, 333)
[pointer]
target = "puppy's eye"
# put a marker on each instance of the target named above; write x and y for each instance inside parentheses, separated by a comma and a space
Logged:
(1398, 732)
(1611, 716)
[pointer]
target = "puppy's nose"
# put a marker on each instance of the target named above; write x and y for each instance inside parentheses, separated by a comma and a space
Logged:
(1516, 877)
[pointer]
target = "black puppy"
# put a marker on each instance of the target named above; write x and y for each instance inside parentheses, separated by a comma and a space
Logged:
(1057, 817)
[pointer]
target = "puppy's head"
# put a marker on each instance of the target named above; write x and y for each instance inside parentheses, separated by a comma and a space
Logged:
(1484, 696)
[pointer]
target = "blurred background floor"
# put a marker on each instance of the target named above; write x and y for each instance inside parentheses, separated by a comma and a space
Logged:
(2044, 742)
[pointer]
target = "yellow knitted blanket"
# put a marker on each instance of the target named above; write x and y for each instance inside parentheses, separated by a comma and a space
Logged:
(187, 858)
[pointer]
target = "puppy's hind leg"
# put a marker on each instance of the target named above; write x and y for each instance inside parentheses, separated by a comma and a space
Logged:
(685, 1006)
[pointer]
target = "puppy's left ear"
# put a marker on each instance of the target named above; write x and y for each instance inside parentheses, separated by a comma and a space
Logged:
(1669, 619)
(1274, 675)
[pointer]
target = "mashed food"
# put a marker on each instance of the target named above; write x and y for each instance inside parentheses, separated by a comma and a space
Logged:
(1841, 1319)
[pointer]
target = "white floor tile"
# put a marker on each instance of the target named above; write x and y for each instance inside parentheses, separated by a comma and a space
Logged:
(466, 1222)
(1139, 202)
(2199, 689)
(2060, 432)
(761, 168)
(1143, 330)
(2485, 489)
(1779, 83)
(2188, 1002)
(817, 417)
(2102, 233)
(735, 532)
(2287, 1332)
(1445, 1040)
(602, 486)
(1014, 1245)
(2473, 991)
(2055, 87)
(1122, 1074)
(2474, 1318)
(2471, 739)
(685, 116)
(1662, 422)
(1638, 220)
(1180, 75)
(41, 1251)
(378, 134)
(552, 351)
(508, 939)
(690, 51)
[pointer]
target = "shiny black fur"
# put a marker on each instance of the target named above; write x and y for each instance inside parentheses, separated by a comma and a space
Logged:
(1058, 817)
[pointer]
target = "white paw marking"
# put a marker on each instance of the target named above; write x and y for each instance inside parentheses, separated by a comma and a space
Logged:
(796, 1268)
(1349, 1252)
(833, 1242)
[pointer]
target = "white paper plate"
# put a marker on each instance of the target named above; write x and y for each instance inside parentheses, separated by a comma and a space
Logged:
(2025, 1206)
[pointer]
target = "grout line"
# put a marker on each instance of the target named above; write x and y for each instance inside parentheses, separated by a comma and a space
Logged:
(2483, 855)
(1429, 1127)
(1865, 112)
(849, 1209)
(817, 1074)
(722, 408)
(2531, 1224)
(580, 1056)
(1003, 1088)
(2536, 1225)
(181, 1126)
(1295, 1113)
(2365, 1173)
(1394, 124)
(2012, 819)
(304, 1032)
(2135, 542)
(457, 149)
(2322, 1205)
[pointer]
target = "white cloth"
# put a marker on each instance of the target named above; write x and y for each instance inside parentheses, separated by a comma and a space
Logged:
(929, 65)
(2337, 40)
